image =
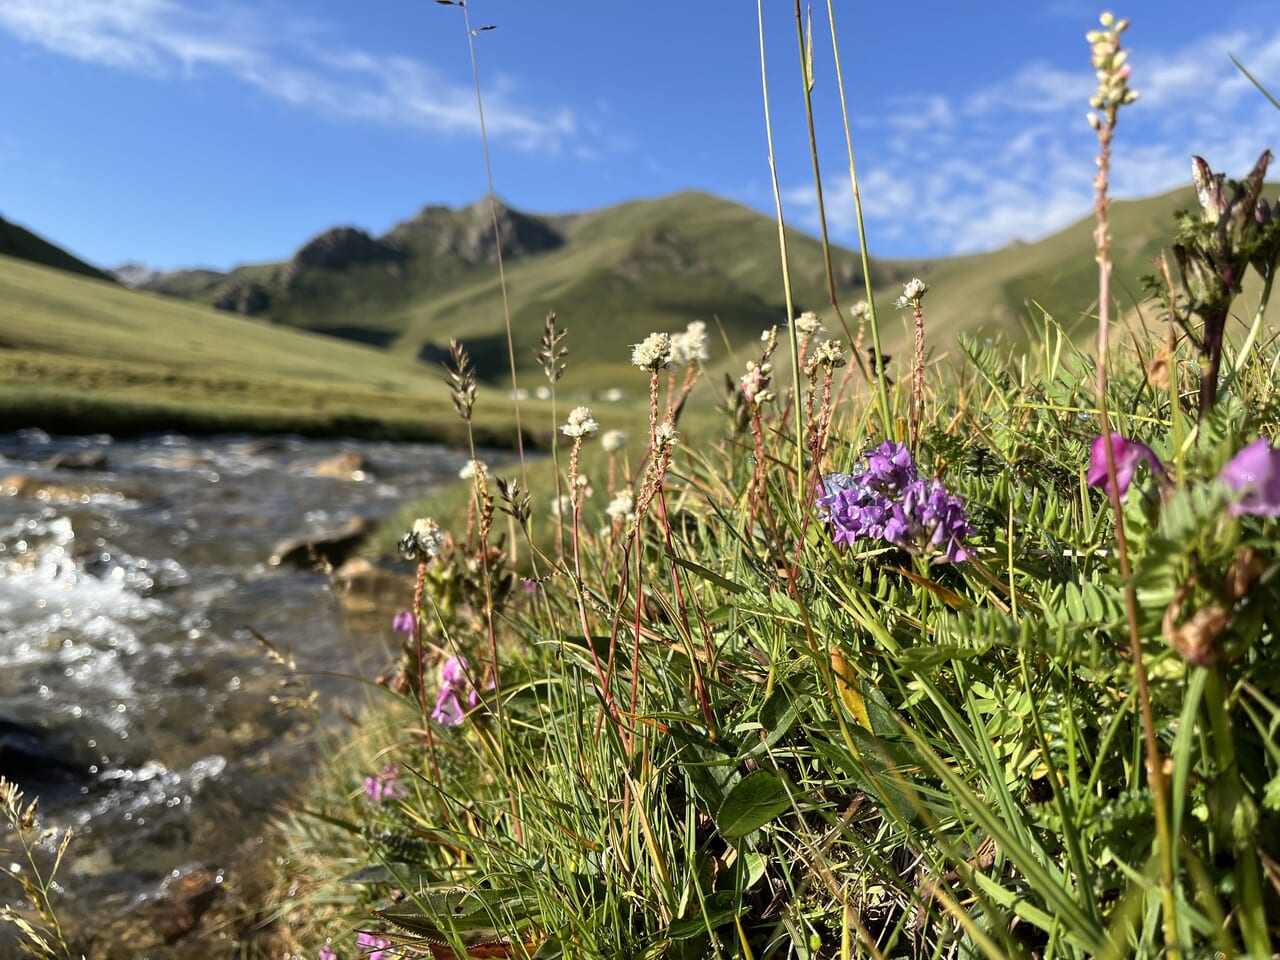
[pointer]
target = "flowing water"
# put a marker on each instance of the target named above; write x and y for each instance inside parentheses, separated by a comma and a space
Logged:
(133, 696)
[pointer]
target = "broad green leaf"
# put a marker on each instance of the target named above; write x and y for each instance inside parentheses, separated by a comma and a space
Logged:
(717, 909)
(754, 801)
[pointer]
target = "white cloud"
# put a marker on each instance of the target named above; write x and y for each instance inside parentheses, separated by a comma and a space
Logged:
(162, 38)
(1036, 88)
(973, 171)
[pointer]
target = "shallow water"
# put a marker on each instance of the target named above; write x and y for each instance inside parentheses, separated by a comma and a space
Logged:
(125, 601)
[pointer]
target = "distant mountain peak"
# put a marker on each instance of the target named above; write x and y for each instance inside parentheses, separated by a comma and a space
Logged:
(340, 247)
(467, 232)
(133, 274)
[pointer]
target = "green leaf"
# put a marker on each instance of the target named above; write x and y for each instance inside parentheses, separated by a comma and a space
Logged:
(706, 574)
(717, 909)
(777, 717)
(382, 873)
(754, 801)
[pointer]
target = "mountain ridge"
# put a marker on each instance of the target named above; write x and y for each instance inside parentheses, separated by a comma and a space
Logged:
(23, 244)
(616, 273)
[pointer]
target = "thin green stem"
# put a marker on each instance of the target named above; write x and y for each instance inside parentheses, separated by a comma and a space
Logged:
(806, 65)
(1154, 762)
(786, 266)
(1242, 356)
(882, 394)
(497, 242)
(1235, 817)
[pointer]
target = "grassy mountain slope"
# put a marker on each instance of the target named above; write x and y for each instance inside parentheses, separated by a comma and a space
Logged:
(22, 244)
(998, 292)
(612, 275)
(118, 360)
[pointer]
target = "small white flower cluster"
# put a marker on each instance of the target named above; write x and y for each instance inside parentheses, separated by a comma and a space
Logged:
(755, 382)
(613, 440)
(690, 346)
(472, 469)
(424, 542)
(622, 507)
(581, 423)
(862, 310)
(829, 354)
(809, 325)
(666, 435)
(913, 292)
(562, 506)
(653, 353)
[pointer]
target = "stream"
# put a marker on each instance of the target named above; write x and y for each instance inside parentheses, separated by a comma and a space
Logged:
(134, 700)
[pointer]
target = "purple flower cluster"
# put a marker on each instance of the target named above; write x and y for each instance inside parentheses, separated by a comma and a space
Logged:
(385, 786)
(377, 945)
(889, 501)
(455, 686)
(1253, 475)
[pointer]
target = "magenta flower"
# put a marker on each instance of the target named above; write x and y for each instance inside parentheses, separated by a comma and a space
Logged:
(1254, 474)
(385, 786)
(327, 953)
(404, 622)
(378, 946)
(454, 686)
(1128, 454)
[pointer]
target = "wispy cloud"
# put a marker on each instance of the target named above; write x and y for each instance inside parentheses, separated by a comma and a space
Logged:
(977, 170)
(168, 38)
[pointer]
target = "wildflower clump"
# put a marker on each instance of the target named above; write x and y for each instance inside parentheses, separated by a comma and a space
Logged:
(1128, 454)
(691, 345)
(913, 292)
(424, 542)
(457, 693)
(653, 352)
(385, 785)
(889, 501)
(472, 469)
(621, 508)
(1253, 475)
(580, 423)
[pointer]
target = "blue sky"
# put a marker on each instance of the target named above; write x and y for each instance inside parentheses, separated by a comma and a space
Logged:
(185, 132)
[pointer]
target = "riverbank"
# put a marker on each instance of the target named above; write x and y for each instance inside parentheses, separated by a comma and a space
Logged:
(134, 582)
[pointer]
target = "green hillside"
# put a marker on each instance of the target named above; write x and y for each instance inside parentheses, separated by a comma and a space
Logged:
(998, 292)
(611, 275)
(22, 244)
(337, 332)
(79, 353)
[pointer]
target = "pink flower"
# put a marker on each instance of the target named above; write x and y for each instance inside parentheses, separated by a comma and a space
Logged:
(455, 685)
(377, 944)
(1254, 474)
(385, 786)
(327, 953)
(403, 622)
(1128, 454)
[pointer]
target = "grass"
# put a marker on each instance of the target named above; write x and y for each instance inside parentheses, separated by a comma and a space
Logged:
(82, 354)
(927, 670)
(827, 693)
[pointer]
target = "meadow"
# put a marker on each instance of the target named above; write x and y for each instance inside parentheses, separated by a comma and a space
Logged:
(964, 659)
